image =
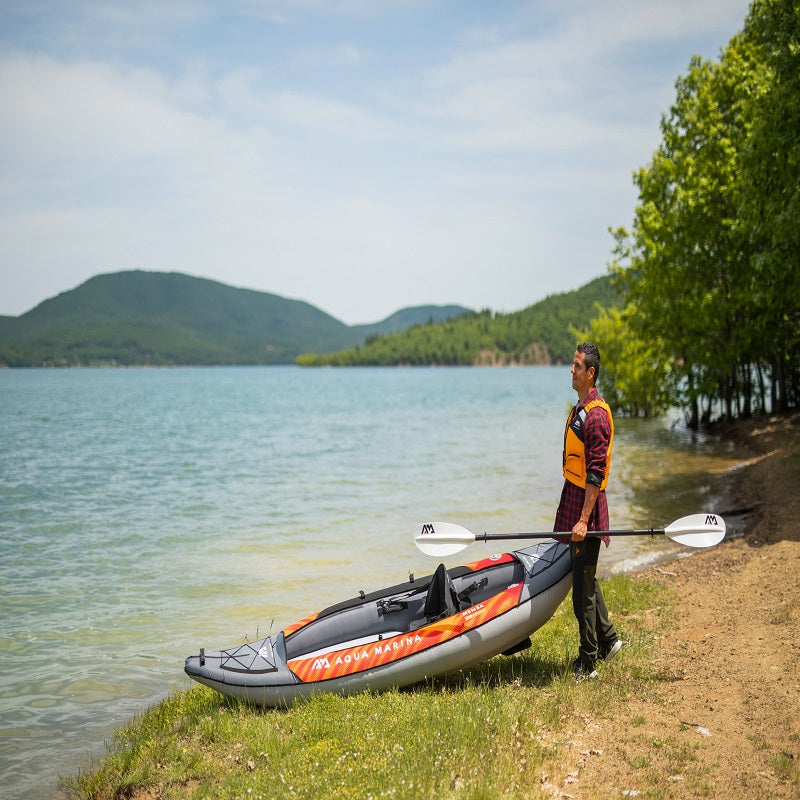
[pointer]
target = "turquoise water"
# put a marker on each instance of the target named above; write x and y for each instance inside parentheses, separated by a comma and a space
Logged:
(146, 513)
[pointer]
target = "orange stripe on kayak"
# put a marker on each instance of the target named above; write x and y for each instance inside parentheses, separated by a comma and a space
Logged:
(490, 561)
(303, 622)
(351, 660)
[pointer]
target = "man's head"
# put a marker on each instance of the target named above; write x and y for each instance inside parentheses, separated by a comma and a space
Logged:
(591, 358)
(585, 366)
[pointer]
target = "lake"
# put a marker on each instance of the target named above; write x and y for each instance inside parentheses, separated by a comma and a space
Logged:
(145, 513)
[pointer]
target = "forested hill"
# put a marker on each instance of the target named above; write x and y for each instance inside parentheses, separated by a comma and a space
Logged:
(539, 334)
(140, 318)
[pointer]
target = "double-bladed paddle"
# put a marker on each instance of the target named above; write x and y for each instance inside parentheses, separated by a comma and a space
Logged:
(442, 539)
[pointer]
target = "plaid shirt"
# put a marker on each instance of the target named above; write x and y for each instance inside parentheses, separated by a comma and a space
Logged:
(597, 434)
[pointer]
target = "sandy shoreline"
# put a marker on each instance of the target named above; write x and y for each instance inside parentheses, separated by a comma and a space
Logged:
(729, 673)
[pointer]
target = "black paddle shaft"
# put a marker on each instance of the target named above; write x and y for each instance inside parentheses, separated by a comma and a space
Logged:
(486, 537)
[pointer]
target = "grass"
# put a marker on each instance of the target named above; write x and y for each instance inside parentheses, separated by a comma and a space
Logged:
(492, 731)
(786, 766)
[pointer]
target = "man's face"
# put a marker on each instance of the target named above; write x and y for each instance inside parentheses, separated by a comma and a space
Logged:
(581, 377)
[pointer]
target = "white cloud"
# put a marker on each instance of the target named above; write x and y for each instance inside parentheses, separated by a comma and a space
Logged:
(561, 89)
(93, 122)
(56, 110)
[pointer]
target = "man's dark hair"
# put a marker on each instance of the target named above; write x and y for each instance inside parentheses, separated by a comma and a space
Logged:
(591, 357)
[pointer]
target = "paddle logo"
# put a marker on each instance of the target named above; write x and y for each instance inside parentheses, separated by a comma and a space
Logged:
(427, 528)
(711, 519)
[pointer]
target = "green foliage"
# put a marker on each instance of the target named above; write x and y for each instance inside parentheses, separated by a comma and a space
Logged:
(711, 268)
(768, 186)
(539, 334)
(634, 376)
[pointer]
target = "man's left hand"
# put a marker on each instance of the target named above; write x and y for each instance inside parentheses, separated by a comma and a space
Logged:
(579, 531)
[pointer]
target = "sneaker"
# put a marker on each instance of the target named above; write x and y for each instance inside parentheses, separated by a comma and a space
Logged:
(609, 653)
(580, 669)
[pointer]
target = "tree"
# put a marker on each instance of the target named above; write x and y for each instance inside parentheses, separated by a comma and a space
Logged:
(712, 262)
(768, 186)
(680, 264)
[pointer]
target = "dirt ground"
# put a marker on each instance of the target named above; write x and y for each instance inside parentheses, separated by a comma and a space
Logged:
(727, 718)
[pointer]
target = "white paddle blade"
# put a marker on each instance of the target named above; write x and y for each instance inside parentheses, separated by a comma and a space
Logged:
(697, 530)
(442, 539)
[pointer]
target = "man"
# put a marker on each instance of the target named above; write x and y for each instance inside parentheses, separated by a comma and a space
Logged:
(588, 440)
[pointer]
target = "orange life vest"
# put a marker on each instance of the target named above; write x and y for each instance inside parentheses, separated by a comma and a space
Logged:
(574, 455)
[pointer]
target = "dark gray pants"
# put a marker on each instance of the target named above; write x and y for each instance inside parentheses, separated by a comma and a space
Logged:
(596, 632)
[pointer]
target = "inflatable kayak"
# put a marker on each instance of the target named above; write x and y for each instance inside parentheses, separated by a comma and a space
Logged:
(397, 636)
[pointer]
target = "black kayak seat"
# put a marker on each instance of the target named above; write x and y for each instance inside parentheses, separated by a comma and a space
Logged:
(442, 599)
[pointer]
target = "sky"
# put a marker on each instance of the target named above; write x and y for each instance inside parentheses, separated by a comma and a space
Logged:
(361, 155)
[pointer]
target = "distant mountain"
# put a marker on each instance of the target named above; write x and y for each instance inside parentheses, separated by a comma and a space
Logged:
(409, 317)
(139, 318)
